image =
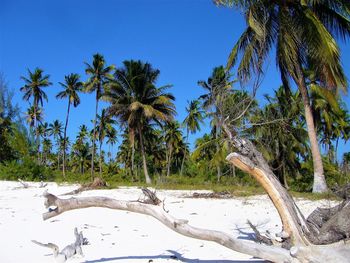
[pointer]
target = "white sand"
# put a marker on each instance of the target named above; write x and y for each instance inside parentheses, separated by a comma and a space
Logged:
(119, 236)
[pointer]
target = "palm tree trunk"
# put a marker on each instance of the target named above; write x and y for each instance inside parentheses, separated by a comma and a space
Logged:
(36, 133)
(132, 141)
(218, 168)
(58, 157)
(169, 160)
(100, 158)
(319, 185)
(183, 160)
(145, 170)
(64, 142)
(94, 138)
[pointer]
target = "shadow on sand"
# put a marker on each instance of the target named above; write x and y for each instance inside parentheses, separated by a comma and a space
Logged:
(175, 256)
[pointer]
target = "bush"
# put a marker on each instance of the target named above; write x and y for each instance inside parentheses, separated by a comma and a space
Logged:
(26, 169)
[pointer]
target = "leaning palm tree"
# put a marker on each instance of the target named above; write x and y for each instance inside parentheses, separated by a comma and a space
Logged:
(136, 101)
(192, 122)
(302, 33)
(33, 89)
(71, 88)
(100, 76)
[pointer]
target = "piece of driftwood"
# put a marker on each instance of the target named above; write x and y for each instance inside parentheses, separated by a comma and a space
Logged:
(26, 185)
(69, 251)
(97, 183)
(178, 225)
(322, 237)
(216, 195)
(339, 252)
(258, 236)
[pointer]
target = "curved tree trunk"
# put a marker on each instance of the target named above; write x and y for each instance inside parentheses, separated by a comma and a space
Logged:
(145, 170)
(319, 185)
(64, 141)
(94, 138)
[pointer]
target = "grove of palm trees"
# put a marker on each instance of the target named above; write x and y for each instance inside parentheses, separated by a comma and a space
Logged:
(240, 132)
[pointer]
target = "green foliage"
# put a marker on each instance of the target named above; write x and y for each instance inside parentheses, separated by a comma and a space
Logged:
(26, 169)
(334, 176)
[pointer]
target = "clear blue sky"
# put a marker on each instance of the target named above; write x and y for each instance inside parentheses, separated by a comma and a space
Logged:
(185, 39)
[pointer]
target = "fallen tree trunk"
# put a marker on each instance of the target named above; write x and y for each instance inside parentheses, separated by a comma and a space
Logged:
(181, 226)
(319, 238)
(333, 253)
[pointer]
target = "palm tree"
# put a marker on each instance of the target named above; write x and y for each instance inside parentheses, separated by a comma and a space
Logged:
(55, 130)
(33, 115)
(302, 33)
(172, 137)
(111, 135)
(283, 142)
(104, 123)
(136, 101)
(47, 146)
(63, 144)
(218, 88)
(33, 88)
(43, 130)
(99, 77)
(71, 88)
(83, 133)
(192, 122)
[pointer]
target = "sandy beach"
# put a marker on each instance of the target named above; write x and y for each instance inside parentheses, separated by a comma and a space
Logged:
(119, 236)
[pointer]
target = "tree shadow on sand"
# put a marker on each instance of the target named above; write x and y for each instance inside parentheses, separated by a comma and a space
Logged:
(175, 256)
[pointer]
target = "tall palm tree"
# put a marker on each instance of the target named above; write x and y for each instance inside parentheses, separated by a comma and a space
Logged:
(71, 88)
(55, 130)
(302, 33)
(104, 123)
(100, 76)
(192, 122)
(34, 83)
(218, 88)
(136, 101)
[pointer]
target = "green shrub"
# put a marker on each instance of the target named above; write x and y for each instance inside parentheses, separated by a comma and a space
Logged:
(26, 169)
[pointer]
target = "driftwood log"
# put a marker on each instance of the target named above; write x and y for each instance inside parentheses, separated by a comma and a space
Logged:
(322, 237)
(68, 251)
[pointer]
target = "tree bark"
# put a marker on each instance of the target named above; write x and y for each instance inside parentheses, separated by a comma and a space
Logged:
(319, 184)
(64, 141)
